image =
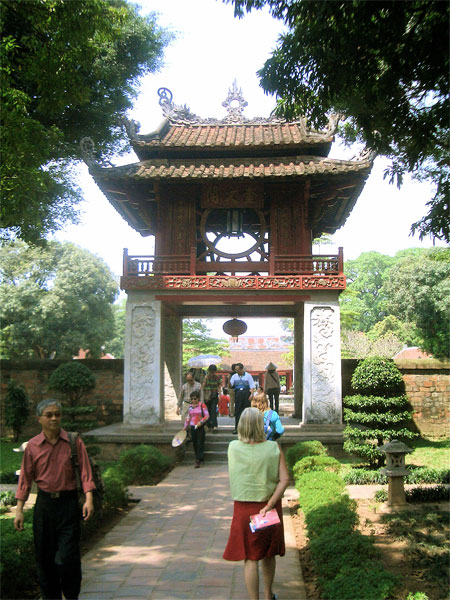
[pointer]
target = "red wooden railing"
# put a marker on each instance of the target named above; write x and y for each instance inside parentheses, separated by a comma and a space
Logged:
(186, 264)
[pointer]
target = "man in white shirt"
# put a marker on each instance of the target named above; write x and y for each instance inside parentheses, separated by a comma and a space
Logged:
(243, 386)
(184, 401)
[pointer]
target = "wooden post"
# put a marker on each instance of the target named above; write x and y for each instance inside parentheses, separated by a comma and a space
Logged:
(125, 262)
(341, 261)
(192, 260)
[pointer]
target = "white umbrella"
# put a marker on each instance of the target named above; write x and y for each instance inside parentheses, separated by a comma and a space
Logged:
(204, 360)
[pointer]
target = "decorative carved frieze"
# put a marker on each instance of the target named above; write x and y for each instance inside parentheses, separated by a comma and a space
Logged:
(326, 282)
(211, 282)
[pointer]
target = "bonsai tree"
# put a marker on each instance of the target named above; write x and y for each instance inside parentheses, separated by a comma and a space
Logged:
(17, 408)
(72, 379)
(378, 412)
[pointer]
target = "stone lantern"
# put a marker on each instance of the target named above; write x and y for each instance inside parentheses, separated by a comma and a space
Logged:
(395, 470)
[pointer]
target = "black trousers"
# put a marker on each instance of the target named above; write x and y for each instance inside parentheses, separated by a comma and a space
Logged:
(274, 398)
(241, 401)
(56, 528)
(198, 441)
(211, 405)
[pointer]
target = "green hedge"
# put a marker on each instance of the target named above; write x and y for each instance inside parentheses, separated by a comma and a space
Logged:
(346, 562)
(142, 464)
(17, 565)
(415, 474)
(315, 463)
(435, 493)
(303, 449)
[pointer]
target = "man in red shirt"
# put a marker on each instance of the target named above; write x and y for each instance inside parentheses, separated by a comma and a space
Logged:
(56, 521)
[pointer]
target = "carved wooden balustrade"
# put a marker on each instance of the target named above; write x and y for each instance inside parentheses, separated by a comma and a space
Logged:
(184, 264)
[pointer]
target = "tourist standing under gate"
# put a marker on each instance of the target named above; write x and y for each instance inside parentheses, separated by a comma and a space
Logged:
(230, 390)
(211, 387)
(272, 386)
(184, 401)
(243, 386)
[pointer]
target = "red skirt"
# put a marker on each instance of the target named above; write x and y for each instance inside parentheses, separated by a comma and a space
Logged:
(243, 544)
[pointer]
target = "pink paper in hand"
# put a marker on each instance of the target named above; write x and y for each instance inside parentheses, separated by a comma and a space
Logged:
(260, 521)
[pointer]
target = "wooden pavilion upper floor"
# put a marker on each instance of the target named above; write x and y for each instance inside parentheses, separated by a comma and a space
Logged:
(201, 181)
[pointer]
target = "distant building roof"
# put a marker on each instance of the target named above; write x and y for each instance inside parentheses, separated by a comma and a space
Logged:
(413, 353)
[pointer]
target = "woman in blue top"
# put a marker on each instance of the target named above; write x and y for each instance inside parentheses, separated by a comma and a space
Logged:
(272, 422)
(258, 478)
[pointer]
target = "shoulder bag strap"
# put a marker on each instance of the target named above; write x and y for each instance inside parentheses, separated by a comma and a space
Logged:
(73, 435)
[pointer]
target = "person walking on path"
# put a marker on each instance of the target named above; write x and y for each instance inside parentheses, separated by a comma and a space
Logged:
(211, 387)
(184, 401)
(258, 478)
(56, 519)
(196, 418)
(243, 386)
(272, 386)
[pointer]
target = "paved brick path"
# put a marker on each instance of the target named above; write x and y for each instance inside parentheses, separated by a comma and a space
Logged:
(170, 545)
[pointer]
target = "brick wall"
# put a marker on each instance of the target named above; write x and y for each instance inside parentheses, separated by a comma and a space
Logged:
(427, 384)
(107, 395)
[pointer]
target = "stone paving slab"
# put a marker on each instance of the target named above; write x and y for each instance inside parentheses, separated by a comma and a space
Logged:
(170, 545)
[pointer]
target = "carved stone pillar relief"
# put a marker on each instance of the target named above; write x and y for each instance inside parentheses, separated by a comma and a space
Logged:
(322, 365)
(142, 377)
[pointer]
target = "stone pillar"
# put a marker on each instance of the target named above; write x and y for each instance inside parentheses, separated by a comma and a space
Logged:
(298, 362)
(322, 389)
(143, 402)
(172, 347)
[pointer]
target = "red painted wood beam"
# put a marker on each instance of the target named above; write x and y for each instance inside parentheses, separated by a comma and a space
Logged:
(232, 299)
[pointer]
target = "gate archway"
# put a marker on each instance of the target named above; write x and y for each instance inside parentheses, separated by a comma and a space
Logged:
(200, 180)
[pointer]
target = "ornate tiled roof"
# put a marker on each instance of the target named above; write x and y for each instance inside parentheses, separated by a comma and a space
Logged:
(232, 135)
(182, 130)
(283, 167)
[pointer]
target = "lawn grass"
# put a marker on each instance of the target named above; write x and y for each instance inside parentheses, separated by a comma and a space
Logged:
(429, 453)
(10, 461)
(426, 453)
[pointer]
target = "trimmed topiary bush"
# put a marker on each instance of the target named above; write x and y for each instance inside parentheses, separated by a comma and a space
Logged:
(302, 449)
(379, 412)
(72, 379)
(17, 408)
(142, 464)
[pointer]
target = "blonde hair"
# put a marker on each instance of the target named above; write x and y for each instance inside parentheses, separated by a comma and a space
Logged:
(260, 402)
(251, 426)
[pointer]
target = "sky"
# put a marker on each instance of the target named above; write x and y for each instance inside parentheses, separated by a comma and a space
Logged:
(211, 49)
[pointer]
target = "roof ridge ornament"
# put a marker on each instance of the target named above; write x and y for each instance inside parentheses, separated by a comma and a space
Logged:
(174, 112)
(235, 110)
(182, 115)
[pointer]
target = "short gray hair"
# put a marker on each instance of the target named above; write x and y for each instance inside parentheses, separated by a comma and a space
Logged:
(251, 426)
(49, 402)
